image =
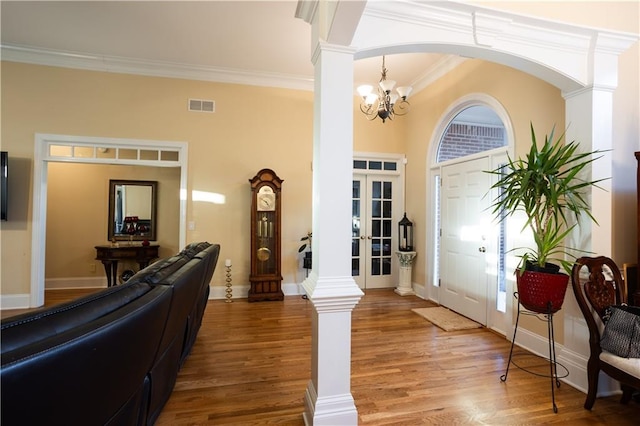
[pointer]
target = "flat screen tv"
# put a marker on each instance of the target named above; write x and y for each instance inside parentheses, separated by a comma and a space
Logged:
(4, 184)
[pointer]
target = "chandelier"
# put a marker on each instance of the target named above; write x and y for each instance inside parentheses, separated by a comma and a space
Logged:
(381, 102)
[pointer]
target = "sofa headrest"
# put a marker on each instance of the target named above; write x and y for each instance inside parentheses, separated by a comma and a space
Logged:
(194, 248)
(37, 325)
(158, 271)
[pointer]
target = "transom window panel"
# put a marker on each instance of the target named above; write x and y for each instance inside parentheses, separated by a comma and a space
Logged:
(389, 166)
(83, 151)
(475, 129)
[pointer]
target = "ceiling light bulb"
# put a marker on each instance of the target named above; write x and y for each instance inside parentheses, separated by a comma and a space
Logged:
(365, 90)
(387, 85)
(404, 91)
(371, 99)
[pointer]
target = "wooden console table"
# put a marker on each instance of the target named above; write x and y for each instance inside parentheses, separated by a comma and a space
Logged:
(110, 255)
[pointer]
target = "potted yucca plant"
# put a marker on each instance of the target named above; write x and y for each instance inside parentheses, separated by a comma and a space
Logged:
(549, 187)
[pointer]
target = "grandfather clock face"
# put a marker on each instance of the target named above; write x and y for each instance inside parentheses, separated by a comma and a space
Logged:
(266, 199)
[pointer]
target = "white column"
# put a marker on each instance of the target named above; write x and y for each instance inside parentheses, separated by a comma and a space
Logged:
(406, 265)
(589, 121)
(330, 286)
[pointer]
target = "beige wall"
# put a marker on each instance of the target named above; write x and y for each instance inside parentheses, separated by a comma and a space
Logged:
(77, 214)
(252, 128)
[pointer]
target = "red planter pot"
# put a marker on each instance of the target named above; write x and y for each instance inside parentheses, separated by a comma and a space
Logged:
(541, 292)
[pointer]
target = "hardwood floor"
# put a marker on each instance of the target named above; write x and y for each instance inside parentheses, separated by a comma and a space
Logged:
(251, 363)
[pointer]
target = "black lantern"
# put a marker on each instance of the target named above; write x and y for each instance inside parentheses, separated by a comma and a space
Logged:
(405, 234)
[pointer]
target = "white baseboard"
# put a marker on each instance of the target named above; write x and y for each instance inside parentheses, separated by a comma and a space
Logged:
(217, 292)
(575, 363)
(237, 292)
(23, 301)
(420, 290)
(242, 291)
(15, 301)
(75, 283)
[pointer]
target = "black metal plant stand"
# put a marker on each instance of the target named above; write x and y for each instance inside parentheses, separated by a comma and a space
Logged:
(553, 364)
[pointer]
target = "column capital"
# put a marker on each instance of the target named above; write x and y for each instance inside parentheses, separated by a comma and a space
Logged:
(406, 257)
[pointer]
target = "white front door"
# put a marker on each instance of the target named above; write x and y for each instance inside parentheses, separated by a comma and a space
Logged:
(466, 225)
(375, 217)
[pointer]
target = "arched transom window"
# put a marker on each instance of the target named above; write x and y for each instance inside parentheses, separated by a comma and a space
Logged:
(475, 129)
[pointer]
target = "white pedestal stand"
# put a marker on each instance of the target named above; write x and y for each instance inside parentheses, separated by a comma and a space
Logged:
(406, 263)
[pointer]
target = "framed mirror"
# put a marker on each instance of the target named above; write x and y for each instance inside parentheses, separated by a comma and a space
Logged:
(132, 210)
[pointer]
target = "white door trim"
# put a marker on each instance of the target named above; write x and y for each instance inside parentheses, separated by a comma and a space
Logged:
(43, 156)
(398, 200)
(473, 99)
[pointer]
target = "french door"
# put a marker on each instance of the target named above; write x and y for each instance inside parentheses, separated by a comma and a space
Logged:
(465, 238)
(375, 213)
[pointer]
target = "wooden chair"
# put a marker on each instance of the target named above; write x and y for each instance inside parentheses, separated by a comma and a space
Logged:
(603, 287)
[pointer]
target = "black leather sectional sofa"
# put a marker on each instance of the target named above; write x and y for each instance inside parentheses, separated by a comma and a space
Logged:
(110, 358)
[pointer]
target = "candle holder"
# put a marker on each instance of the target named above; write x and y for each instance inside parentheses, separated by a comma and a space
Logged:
(229, 291)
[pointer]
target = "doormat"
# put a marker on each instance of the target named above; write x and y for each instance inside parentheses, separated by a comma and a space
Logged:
(446, 319)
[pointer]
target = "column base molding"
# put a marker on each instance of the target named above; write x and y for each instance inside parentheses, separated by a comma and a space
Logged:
(333, 410)
(341, 293)
(404, 291)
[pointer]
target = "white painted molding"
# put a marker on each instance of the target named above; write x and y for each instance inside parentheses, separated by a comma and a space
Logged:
(445, 65)
(560, 53)
(114, 64)
(420, 290)
(42, 157)
(15, 301)
(242, 291)
(487, 28)
(306, 10)
(574, 362)
(75, 283)
(332, 293)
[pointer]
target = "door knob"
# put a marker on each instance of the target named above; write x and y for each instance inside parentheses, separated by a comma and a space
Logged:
(482, 249)
(362, 237)
(369, 237)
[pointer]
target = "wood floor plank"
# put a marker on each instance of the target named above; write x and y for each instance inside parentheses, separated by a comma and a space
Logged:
(250, 365)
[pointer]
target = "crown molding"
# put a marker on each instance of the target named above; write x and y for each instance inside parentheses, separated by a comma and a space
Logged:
(442, 67)
(568, 51)
(114, 64)
(306, 10)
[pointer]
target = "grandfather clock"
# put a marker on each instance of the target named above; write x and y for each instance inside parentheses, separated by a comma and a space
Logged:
(265, 277)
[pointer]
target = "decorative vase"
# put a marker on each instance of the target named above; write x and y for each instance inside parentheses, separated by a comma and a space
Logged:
(541, 292)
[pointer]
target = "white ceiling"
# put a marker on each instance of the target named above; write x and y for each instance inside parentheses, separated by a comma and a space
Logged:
(237, 37)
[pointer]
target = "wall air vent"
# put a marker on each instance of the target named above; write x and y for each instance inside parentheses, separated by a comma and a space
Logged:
(201, 105)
